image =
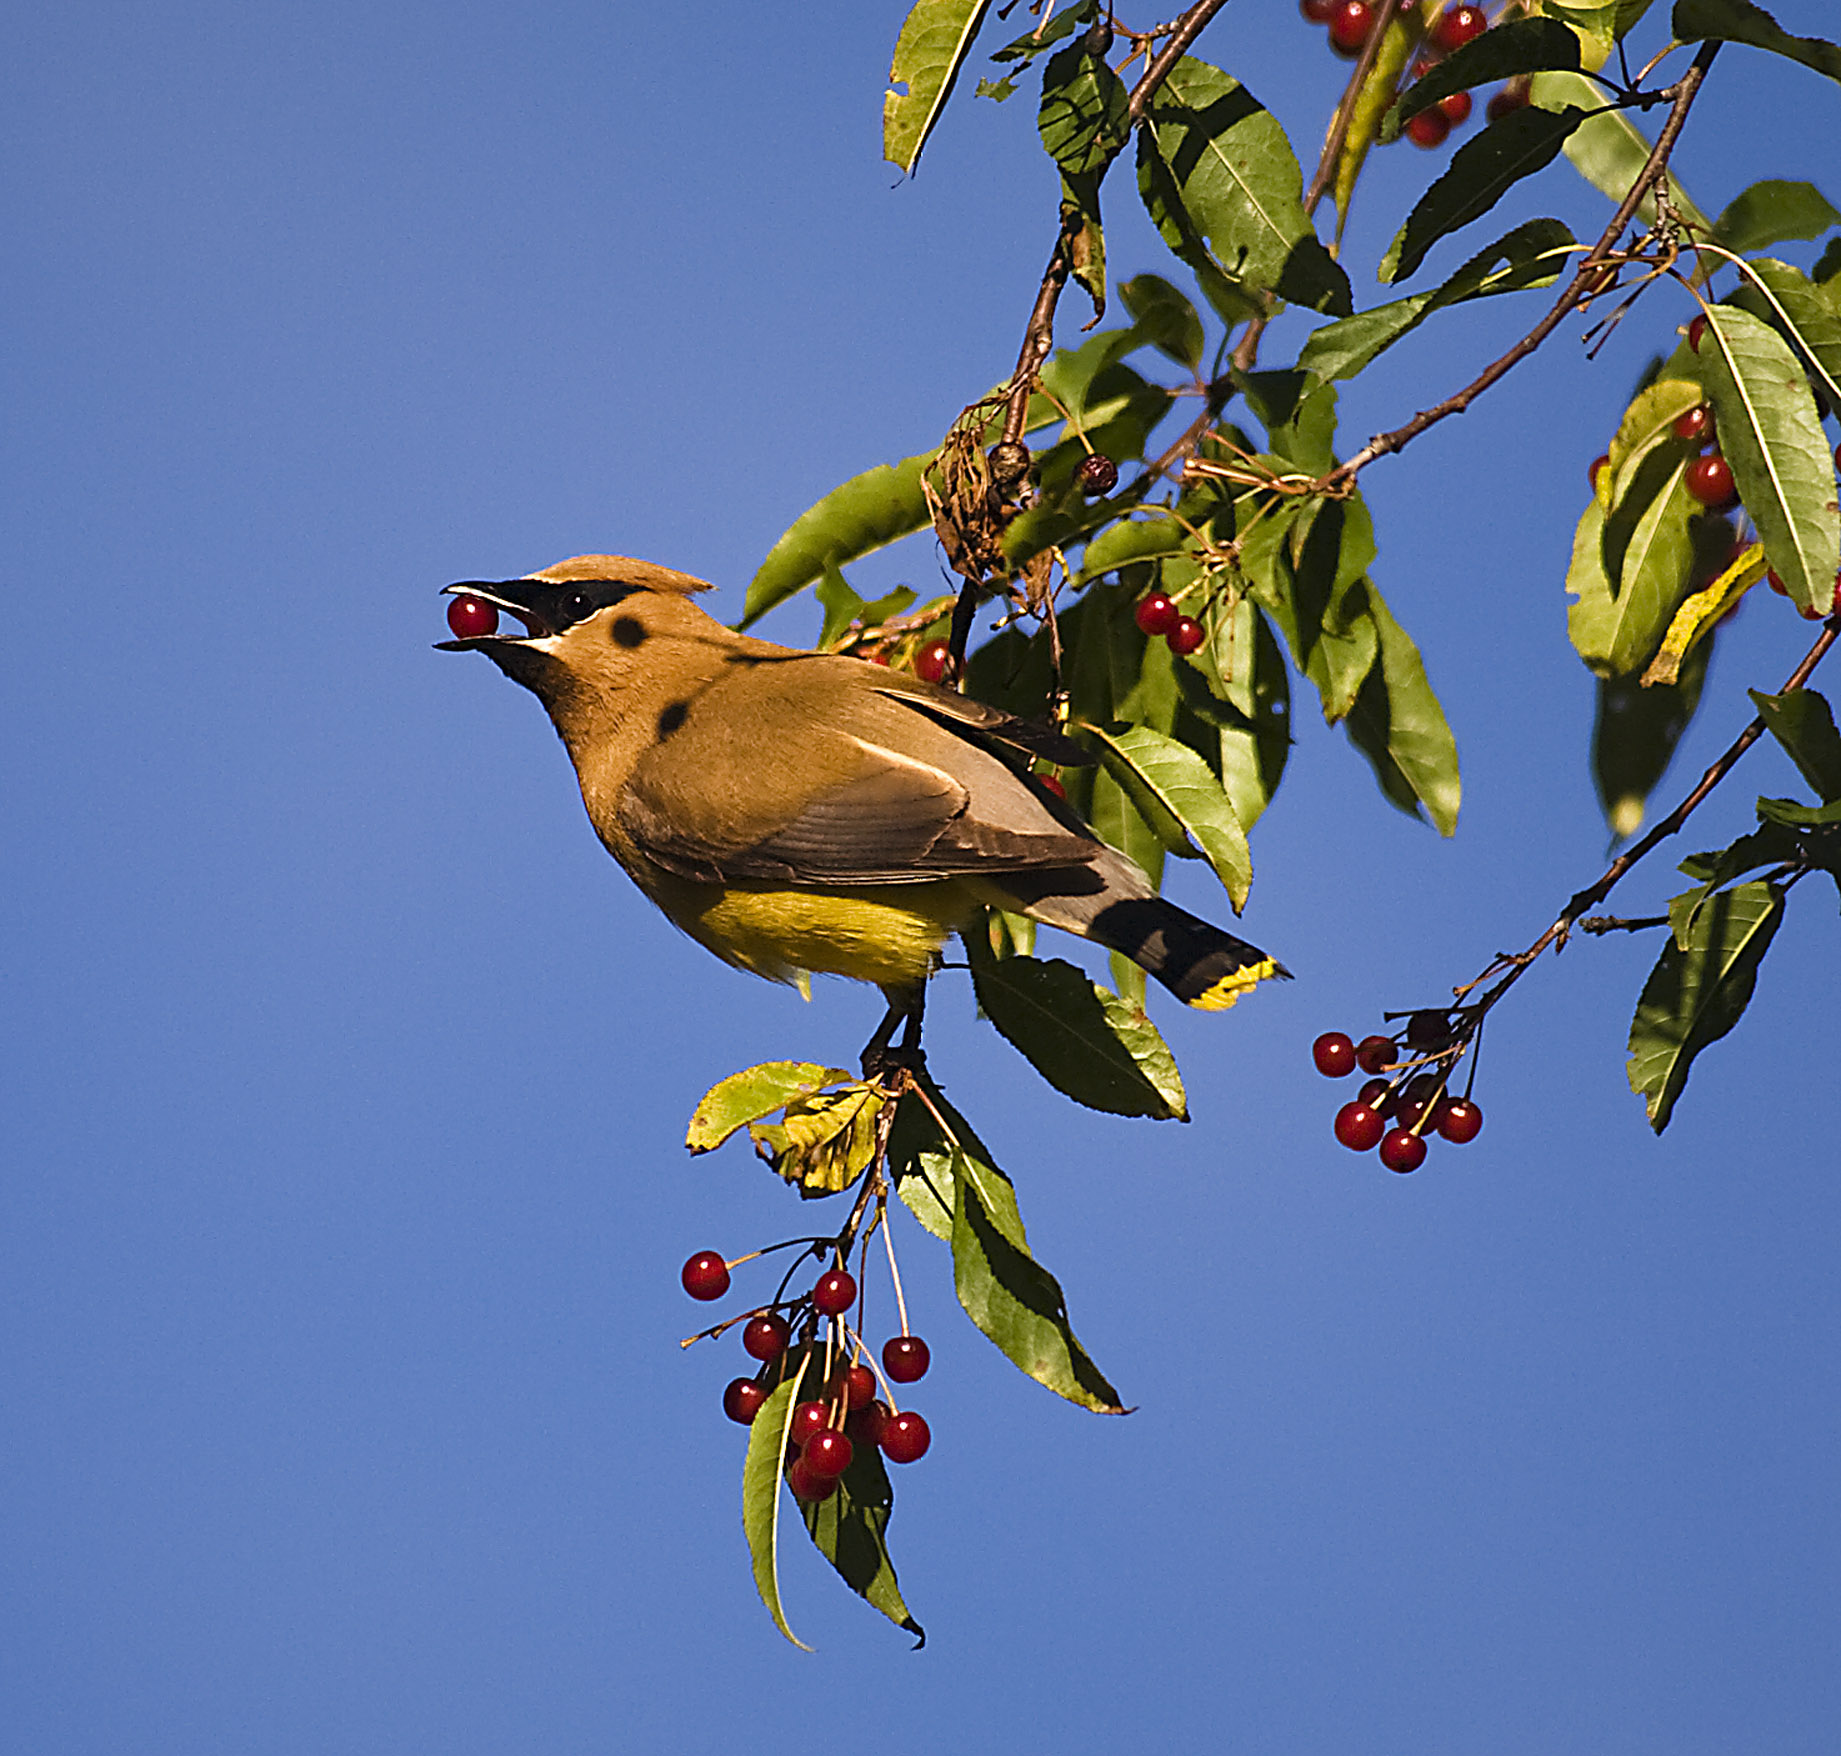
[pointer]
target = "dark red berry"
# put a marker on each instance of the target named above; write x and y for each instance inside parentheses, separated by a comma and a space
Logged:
(1402, 1151)
(1429, 128)
(471, 617)
(1377, 1095)
(1185, 635)
(1334, 1054)
(1506, 102)
(742, 1401)
(1456, 107)
(1462, 1121)
(1599, 466)
(765, 1338)
(1776, 584)
(807, 1483)
(1696, 426)
(808, 1418)
(1421, 1088)
(1156, 614)
(1709, 480)
(1359, 1128)
(865, 1425)
(1838, 457)
(827, 1453)
(1412, 1109)
(1097, 475)
(905, 1358)
(1427, 1028)
(854, 1386)
(835, 1293)
(1458, 25)
(905, 1438)
(931, 660)
(1350, 25)
(1374, 1054)
(705, 1276)
(1696, 330)
(1318, 11)
(1053, 783)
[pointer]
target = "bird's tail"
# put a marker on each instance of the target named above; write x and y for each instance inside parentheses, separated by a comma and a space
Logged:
(1201, 965)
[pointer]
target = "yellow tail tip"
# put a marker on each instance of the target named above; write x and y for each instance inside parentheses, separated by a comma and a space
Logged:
(1233, 987)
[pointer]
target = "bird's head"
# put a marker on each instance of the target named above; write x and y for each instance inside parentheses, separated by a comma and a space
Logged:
(580, 617)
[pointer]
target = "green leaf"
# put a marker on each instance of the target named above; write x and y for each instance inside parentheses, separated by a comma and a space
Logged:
(1245, 691)
(1163, 314)
(1367, 113)
(1802, 313)
(1795, 816)
(1695, 996)
(1803, 724)
(1771, 211)
(1083, 1040)
(753, 1093)
(1011, 1296)
(1083, 119)
(1769, 845)
(849, 1528)
(1655, 569)
(1398, 725)
(1181, 799)
(936, 37)
(1607, 149)
(767, 1440)
(1530, 256)
(1635, 737)
(1772, 436)
(1739, 21)
(1482, 171)
(1523, 45)
(1236, 186)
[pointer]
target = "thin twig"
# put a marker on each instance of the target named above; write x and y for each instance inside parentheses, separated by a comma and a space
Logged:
(1593, 275)
(1338, 135)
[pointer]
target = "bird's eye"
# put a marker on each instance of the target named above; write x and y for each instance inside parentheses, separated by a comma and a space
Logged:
(578, 605)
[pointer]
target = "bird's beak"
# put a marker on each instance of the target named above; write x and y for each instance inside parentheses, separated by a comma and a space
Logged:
(503, 594)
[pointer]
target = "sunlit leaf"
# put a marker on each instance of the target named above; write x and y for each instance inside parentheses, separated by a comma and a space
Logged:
(1365, 119)
(1082, 119)
(1701, 612)
(767, 1440)
(1694, 996)
(753, 1093)
(935, 39)
(1739, 21)
(825, 1141)
(1064, 21)
(1607, 149)
(1166, 316)
(1802, 313)
(1771, 211)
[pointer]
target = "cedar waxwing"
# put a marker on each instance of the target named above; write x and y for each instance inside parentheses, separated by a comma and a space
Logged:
(806, 811)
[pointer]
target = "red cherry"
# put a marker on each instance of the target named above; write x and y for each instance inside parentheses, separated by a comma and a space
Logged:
(765, 1337)
(808, 1418)
(1374, 1054)
(1096, 476)
(1696, 426)
(1506, 102)
(1776, 584)
(1053, 784)
(1156, 614)
(906, 1358)
(705, 1276)
(835, 1293)
(1402, 1151)
(1838, 457)
(471, 617)
(1358, 1127)
(865, 1425)
(1462, 1121)
(1458, 25)
(1696, 330)
(807, 1484)
(1424, 1029)
(905, 1438)
(1334, 1054)
(1456, 108)
(853, 1387)
(1377, 1095)
(1421, 1088)
(880, 656)
(827, 1453)
(1709, 480)
(742, 1401)
(931, 660)
(1599, 466)
(1185, 635)
(1429, 128)
(1350, 25)
(1318, 11)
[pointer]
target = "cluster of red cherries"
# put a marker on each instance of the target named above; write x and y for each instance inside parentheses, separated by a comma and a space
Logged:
(1351, 23)
(1398, 1108)
(826, 1429)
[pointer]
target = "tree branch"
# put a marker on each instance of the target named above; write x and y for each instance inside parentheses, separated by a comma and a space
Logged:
(1338, 136)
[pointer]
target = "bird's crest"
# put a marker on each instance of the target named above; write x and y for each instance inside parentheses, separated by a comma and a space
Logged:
(624, 569)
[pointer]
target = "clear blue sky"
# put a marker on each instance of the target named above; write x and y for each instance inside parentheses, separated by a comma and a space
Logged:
(343, 1196)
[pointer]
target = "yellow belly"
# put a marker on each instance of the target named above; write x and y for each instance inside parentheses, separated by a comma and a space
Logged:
(890, 934)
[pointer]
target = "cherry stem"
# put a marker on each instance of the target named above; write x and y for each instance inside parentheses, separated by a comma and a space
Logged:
(901, 1304)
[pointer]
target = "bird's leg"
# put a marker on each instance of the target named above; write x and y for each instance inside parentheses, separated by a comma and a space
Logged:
(881, 1054)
